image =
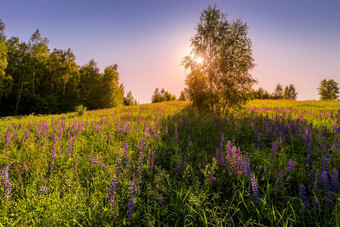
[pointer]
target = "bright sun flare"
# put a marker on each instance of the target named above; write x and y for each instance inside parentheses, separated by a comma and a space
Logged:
(199, 60)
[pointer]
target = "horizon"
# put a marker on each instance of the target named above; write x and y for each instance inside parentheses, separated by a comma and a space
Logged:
(148, 40)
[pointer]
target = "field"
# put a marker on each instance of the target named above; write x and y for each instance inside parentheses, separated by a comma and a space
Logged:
(275, 163)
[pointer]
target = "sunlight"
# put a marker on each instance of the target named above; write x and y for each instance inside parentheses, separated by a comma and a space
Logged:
(199, 60)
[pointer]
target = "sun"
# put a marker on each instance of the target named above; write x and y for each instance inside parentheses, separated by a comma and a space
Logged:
(199, 60)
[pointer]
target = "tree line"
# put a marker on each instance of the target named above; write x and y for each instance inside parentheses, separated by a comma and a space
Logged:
(289, 92)
(35, 79)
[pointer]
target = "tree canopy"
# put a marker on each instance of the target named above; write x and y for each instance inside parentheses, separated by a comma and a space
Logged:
(328, 90)
(35, 79)
(219, 63)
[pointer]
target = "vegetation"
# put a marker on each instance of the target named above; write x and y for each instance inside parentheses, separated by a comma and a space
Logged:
(328, 90)
(288, 93)
(219, 63)
(162, 96)
(34, 79)
(165, 164)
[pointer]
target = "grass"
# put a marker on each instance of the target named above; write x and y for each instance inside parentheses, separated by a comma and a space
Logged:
(198, 175)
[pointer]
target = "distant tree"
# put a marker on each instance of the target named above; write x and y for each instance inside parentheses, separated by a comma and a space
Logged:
(219, 63)
(328, 90)
(183, 96)
(129, 100)
(113, 94)
(290, 92)
(278, 93)
(162, 96)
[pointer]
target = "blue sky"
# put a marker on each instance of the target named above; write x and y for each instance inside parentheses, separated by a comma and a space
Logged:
(294, 41)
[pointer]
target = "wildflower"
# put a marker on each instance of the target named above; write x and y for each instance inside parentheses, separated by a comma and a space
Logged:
(316, 202)
(130, 203)
(5, 183)
(325, 181)
(319, 181)
(330, 200)
(303, 195)
(217, 158)
(273, 151)
(312, 176)
(118, 168)
(254, 188)
(247, 166)
(334, 180)
(290, 165)
(26, 135)
(239, 163)
(222, 159)
(212, 179)
(112, 192)
(22, 170)
(42, 191)
(152, 154)
(70, 148)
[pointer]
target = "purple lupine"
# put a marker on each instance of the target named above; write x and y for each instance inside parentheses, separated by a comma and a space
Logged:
(76, 162)
(217, 157)
(6, 184)
(7, 142)
(303, 195)
(312, 176)
(273, 151)
(254, 188)
(222, 159)
(204, 163)
(290, 165)
(141, 159)
(118, 168)
(26, 135)
(54, 138)
(178, 165)
(319, 180)
(325, 181)
(239, 162)
(212, 179)
(316, 202)
(222, 142)
(247, 166)
(324, 164)
(152, 158)
(176, 134)
(22, 171)
(130, 203)
(42, 191)
(330, 200)
(70, 148)
(112, 192)
(334, 180)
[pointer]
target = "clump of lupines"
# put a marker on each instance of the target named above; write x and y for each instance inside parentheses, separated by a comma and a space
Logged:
(247, 166)
(130, 202)
(304, 196)
(273, 151)
(70, 147)
(42, 191)
(112, 192)
(212, 179)
(6, 184)
(26, 135)
(330, 200)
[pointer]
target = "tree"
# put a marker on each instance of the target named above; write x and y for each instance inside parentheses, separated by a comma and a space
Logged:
(129, 100)
(290, 92)
(328, 90)
(221, 58)
(5, 80)
(162, 96)
(184, 95)
(278, 93)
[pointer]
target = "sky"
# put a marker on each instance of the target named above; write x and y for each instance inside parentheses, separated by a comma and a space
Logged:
(293, 41)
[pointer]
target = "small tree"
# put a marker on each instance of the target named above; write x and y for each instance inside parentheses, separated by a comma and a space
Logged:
(129, 100)
(219, 63)
(278, 93)
(290, 92)
(328, 90)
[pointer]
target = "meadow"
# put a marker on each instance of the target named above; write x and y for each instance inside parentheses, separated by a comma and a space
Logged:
(274, 163)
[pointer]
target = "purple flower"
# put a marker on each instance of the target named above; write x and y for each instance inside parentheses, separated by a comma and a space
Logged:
(112, 192)
(5, 183)
(152, 154)
(330, 200)
(247, 166)
(217, 157)
(26, 135)
(130, 203)
(273, 151)
(334, 180)
(325, 181)
(303, 195)
(290, 165)
(42, 191)
(212, 179)
(70, 148)
(239, 163)
(254, 188)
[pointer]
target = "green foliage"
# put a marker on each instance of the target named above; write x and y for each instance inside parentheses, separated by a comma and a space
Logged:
(80, 110)
(79, 184)
(162, 96)
(328, 90)
(129, 100)
(221, 58)
(278, 93)
(290, 92)
(184, 95)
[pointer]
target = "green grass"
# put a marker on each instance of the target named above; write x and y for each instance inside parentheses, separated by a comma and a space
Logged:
(179, 190)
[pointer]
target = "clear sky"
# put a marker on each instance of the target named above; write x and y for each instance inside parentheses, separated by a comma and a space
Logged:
(294, 41)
